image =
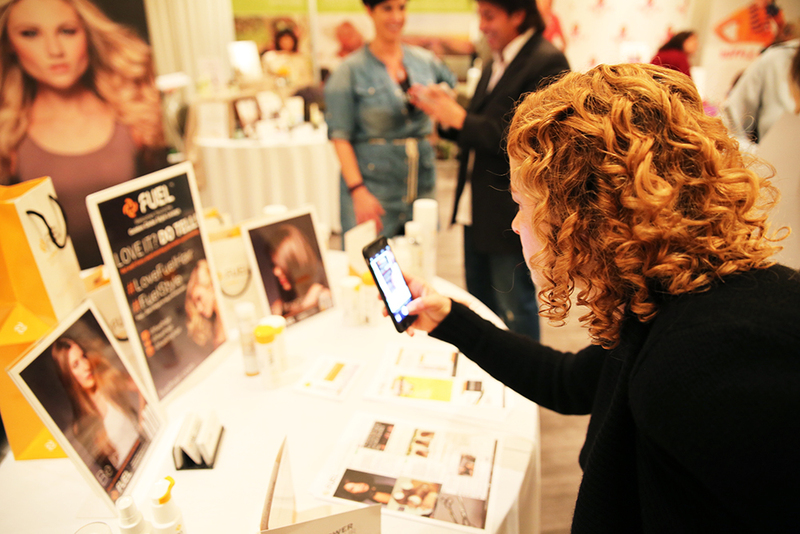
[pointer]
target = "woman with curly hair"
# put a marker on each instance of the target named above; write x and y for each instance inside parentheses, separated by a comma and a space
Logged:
(106, 407)
(78, 103)
(637, 205)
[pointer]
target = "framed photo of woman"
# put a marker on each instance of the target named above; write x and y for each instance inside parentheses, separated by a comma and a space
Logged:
(286, 254)
(81, 387)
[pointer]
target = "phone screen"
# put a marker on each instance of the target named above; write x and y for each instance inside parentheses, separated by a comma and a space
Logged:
(391, 284)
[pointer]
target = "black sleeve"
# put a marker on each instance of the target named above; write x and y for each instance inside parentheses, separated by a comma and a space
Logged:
(559, 381)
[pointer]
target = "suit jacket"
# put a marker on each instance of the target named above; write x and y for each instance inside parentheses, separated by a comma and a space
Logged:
(484, 132)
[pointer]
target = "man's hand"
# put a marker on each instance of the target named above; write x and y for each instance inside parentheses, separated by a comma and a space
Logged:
(439, 104)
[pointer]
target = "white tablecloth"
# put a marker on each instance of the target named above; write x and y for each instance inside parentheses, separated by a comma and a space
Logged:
(46, 496)
(244, 175)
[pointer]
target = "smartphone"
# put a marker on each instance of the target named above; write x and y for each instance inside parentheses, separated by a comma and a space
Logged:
(391, 284)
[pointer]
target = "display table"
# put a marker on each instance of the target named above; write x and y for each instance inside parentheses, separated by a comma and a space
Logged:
(244, 175)
(45, 496)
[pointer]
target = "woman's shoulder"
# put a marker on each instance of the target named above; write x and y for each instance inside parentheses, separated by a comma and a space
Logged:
(741, 315)
(355, 62)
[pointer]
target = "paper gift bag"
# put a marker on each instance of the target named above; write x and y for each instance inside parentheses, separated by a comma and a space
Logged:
(233, 269)
(39, 285)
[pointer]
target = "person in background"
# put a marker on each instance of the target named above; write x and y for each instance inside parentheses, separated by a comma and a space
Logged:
(79, 104)
(285, 60)
(348, 37)
(676, 52)
(636, 204)
(106, 405)
(523, 61)
(761, 94)
(379, 137)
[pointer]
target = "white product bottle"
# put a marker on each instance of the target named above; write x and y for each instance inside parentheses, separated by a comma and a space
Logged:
(271, 349)
(167, 517)
(130, 518)
(246, 314)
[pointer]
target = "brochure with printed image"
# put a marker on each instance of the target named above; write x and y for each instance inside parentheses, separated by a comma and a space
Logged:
(437, 375)
(413, 470)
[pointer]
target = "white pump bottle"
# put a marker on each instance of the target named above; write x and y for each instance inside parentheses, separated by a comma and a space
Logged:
(167, 517)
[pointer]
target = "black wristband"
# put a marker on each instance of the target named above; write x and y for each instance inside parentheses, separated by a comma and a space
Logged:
(354, 187)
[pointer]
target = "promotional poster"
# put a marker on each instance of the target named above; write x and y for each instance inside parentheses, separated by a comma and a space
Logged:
(149, 233)
(287, 256)
(77, 381)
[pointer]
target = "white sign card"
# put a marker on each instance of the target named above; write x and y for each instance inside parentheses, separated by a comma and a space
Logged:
(279, 514)
(151, 235)
(286, 255)
(84, 391)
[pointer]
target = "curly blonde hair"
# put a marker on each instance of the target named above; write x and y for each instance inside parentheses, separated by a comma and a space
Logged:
(638, 194)
(120, 71)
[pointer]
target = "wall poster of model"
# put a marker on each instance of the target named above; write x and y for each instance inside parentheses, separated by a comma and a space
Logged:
(91, 402)
(153, 243)
(286, 254)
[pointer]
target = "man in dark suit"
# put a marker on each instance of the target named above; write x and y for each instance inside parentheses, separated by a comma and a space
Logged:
(522, 62)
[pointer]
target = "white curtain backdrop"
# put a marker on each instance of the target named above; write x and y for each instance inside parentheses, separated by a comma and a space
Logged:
(191, 36)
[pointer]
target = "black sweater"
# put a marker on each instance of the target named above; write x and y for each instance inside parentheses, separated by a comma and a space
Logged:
(695, 421)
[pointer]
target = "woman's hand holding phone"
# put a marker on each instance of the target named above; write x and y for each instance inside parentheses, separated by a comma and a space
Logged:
(403, 295)
(429, 306)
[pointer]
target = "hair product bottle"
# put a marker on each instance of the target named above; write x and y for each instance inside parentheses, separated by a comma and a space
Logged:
(246, 313)
(130, 518)
(167, 517)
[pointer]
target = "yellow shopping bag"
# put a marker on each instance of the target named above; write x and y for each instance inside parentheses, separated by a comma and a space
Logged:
(39, 285)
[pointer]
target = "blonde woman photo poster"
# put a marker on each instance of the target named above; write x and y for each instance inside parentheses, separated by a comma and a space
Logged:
(80, 386)
(92, 121)
(149, 231)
